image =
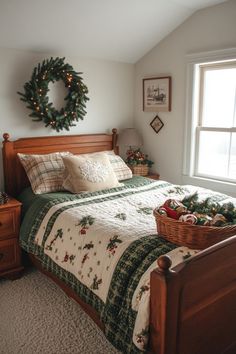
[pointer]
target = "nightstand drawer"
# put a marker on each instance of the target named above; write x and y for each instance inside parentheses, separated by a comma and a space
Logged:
(8, 223)
(9, 254)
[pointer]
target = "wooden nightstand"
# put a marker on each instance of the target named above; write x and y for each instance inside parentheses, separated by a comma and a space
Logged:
(10, 252)
(153, 176)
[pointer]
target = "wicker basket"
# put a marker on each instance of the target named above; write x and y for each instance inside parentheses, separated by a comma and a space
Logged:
(192, 236)
(140, 170)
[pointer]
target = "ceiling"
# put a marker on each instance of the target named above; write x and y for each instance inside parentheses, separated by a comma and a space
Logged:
(121, 30)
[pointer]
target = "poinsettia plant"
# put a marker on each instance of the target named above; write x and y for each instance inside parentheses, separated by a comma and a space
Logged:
(137, 157)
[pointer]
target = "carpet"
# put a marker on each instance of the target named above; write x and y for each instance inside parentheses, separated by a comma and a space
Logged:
(37, 317)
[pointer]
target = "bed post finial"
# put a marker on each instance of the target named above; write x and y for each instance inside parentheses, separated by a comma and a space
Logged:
(164, 263)
(6, 137)
(114, 138)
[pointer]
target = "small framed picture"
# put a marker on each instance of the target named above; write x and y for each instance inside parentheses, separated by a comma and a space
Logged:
(157, 94)
(156, 124)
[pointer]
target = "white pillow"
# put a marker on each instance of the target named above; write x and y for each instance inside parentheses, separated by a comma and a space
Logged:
(89, 173)
(121, 170)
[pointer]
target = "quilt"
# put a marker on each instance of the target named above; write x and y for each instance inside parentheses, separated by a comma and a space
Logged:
(105, 245)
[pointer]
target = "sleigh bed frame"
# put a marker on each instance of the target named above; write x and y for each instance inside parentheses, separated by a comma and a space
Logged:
(193, 305)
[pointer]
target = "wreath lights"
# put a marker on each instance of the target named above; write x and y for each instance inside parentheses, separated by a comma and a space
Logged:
(36, 94)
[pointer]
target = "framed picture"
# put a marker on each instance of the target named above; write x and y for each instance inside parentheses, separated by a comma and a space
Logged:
(156, 124)
(157, 94)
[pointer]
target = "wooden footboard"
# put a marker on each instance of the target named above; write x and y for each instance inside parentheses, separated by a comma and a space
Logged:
(193, 306)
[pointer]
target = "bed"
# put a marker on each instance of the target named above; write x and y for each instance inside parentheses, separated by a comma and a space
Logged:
(192, 305)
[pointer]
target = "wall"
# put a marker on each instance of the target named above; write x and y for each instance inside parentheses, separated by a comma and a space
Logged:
(209, 29)
(110, 87)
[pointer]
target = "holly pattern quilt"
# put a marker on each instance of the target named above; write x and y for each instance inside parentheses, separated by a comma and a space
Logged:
(104, 245)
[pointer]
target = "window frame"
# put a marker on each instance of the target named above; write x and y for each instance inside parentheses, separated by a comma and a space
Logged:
(195, 62)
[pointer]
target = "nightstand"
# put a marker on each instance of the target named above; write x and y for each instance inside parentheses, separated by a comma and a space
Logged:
(153, 176)
(10, 252)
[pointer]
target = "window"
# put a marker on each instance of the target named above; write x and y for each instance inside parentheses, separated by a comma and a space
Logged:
(215, 155)
(210, 144)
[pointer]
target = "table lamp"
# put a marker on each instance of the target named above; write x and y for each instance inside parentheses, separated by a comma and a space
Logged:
(130, 137)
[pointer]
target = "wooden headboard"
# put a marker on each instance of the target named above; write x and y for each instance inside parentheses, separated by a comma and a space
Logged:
(14, 175)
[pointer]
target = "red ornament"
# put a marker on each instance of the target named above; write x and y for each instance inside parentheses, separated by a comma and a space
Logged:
(172, 213)
(174, 208)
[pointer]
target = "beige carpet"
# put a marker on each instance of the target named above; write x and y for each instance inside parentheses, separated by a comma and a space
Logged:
(37, 317)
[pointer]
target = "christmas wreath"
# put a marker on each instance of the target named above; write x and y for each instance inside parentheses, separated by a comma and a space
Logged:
(36, 90)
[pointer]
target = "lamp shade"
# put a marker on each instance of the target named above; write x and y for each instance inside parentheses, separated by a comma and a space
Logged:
(129, 137)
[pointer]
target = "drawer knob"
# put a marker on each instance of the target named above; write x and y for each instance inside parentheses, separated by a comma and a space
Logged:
(1, 256)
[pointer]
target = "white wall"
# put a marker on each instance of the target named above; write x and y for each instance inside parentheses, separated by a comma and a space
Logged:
(111, 93)
(209, 29)
(111, 88)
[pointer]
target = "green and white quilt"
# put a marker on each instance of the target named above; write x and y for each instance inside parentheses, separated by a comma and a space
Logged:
(104, 245)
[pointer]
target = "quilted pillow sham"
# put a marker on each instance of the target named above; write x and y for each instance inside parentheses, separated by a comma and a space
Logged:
(89, 173)
(121, 170)
(46, 173)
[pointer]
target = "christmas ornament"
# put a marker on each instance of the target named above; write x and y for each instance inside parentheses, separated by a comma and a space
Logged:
(37, 100)
(218, 220)
(174, 208)
(162, 211)
(189, 218)
(203, 219)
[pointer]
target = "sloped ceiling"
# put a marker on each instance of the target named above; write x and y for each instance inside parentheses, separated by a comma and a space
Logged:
(121, 30)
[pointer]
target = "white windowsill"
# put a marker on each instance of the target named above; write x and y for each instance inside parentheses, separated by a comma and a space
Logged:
(218, 186)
